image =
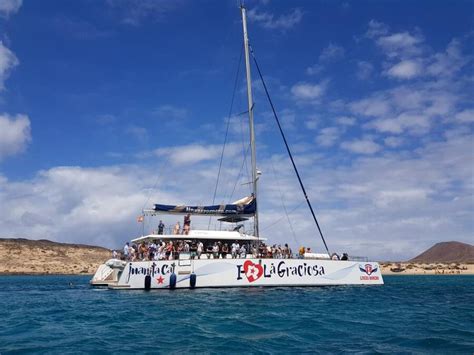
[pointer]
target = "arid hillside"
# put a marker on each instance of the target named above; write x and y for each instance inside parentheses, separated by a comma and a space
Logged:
(24, 256)
(447, 252)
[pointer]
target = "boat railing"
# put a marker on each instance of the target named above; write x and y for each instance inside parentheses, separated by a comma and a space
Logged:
(169, 230)
(359, 258)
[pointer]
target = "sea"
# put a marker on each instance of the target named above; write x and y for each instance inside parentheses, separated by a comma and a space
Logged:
(409, 314)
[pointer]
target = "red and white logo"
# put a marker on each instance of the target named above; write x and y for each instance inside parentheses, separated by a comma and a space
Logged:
(252, 271)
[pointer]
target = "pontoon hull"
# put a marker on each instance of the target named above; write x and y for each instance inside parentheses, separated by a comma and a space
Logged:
(246, 273)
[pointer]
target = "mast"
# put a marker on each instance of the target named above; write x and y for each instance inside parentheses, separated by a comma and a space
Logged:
(250, 103)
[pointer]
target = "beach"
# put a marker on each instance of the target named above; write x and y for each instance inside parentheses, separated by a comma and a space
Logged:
(408, 268)
(37, 257)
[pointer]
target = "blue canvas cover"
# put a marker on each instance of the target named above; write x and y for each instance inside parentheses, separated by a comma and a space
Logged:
(240, 209)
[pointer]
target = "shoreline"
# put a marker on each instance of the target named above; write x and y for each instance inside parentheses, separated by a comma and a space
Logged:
(407, 269)
(411, 268)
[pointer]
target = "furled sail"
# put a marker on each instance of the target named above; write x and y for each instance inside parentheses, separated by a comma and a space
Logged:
(242, 207)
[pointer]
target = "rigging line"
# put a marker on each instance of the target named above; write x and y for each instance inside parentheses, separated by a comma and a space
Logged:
(281, 218)
(244, 161)
(283, 203)
(156, 182)
(289, 151)
(227, 128)
(245, 151)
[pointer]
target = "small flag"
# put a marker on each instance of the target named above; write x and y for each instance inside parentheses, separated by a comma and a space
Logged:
(140, 219)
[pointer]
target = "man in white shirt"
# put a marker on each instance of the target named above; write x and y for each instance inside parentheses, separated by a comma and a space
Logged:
(126, 251)
(200, 247)
(235, 249)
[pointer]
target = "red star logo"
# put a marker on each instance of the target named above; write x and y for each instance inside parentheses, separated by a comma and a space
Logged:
(160, 279)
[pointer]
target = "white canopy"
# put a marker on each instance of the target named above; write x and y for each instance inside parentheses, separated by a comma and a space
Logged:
(200, 234)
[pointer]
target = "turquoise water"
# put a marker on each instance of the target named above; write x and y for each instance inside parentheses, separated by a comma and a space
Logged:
(409, 314)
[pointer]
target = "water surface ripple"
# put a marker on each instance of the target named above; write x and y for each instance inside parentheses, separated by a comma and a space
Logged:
(409, 314)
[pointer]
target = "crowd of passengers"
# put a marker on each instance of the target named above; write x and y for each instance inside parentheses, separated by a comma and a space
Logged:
(161, 250)
(171, 250)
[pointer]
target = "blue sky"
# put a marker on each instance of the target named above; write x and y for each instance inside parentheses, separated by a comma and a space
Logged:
(109, 106)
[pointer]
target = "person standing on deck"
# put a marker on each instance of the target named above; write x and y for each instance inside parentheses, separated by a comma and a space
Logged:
(126, 251)
(200, 247)
(161, 227)
(235, 249)
(187, 224)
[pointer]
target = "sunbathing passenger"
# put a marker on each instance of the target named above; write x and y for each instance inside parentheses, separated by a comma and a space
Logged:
(176, 228)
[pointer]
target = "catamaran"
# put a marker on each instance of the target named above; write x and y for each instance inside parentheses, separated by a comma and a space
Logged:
(249, 269)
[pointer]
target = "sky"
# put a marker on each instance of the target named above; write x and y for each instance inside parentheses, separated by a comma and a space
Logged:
(110, 106)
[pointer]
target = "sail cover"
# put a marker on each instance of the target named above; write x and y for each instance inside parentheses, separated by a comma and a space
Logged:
(242, 207)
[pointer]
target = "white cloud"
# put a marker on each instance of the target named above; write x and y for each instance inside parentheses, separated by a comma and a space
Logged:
(270, 21)
(400, 44)
(9, 7)
(140, 133)
(376, 105)
(385, 202)
(315, 69)
(170, 112)
(376, 29)
(363, 146)
(195, 153)
(393, 141)
(328, 136)
(346, 120)
(412, 122)
(15, 134)
(465, 116)
(449, 62)
(312, 122)
(332, 52)
(364, 70)
(8, 61)
(134, 12)
(307, 91)
(406, 69)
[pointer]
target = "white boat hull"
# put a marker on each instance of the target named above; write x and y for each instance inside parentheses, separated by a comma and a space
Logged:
(246, 273)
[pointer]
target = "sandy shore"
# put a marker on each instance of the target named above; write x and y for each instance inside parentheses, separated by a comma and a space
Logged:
(21, 256)
(427, 269)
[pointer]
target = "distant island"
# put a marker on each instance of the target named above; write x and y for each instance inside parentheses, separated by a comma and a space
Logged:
(445, 258)
(19, 256)
(25, 256)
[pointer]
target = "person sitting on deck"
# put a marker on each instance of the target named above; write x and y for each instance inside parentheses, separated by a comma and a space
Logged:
(215, 251)
(301, 252)
(224, 251)
(176, 228)
(209, 250)
(243, 251)
(193, 249)
(345, 256)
